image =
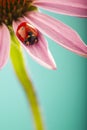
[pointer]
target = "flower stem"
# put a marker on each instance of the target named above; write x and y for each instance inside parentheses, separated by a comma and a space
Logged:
(21, 72)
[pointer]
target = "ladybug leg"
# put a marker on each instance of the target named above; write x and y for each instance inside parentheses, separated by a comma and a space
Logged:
(36, 40)
(26, 42)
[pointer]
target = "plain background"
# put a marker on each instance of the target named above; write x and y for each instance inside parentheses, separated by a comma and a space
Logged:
(62, 94)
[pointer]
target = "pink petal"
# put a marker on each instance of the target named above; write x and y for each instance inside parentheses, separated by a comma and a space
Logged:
(69, 7)
(59, 32)
(4, 45)
(39, 51)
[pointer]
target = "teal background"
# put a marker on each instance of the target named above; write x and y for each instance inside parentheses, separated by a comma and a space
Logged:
(62, 94)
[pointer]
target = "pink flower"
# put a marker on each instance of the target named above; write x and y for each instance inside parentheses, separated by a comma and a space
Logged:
(16, 11)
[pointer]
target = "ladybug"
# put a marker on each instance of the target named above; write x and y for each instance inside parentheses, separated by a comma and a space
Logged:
(27, 34)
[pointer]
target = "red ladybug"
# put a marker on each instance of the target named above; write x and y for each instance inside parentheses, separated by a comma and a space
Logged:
(27, 34)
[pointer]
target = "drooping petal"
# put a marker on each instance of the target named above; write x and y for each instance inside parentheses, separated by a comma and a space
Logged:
(4, 45)
(58, 31)
(68, 7)
(39, 51)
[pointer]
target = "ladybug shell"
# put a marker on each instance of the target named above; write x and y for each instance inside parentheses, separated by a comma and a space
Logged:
(24, 29)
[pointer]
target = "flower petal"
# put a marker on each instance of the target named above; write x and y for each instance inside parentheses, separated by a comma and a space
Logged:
(68, 7)
(4, 45)
(39, 51)
(59, 32)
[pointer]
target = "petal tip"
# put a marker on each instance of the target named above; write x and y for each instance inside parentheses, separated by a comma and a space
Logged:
(84, 55)
(53, 67)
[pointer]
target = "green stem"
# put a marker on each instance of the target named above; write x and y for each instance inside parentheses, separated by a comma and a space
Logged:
(21, 72)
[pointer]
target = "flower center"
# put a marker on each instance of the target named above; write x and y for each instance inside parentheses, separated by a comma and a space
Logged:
(13, 9)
